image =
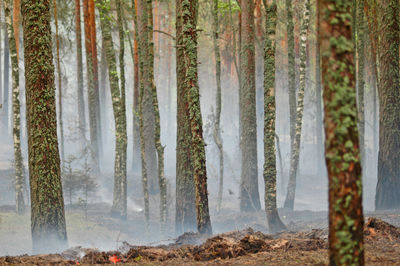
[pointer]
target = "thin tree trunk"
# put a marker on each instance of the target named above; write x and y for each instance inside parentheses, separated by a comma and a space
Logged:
(218, 103)
(1, 74)
(360, 76)
(295, 153)
(249, 196)
(6, 86)
(79, 70)
(118, 101)
(274, 222)
(185, 215)
(346, 221)
(291, 71)
(162, 182)
(388, 187)
(47, 204)
(93, 119)
(60, 93)
(18, 161)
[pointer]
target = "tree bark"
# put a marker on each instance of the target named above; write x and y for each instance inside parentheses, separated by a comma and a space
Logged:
(47, 205)
(218, 103)
(249, 196)
(6, 86)
(119, 207)
(346, 221)
(79, 70)
(388, 187)
(18, 161)
(296, 141)
(274, 222)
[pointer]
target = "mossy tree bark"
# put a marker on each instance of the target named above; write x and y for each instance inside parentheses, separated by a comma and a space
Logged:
(291, 71)
(249, 196)
(92, 103)
(118, 101)
(185, 215)
(79, 70)
(59, 83)
(47, 205)
(148, 115)
(274, 222)
(388, 187)
(218, 102)
(341, 134)
(188, 15)
(296, 141)
(18, 161)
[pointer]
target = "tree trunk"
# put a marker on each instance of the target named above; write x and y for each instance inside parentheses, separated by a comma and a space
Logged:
(291, 71)
(388, 187)
(274, 222)
(118, 101)
(6, 86)
(346, 221)
(188, 16)
(360, 75)
(93, 119)
(18, 161)
(249, 196)
(79, 70)
(295, 153)
(148, 115)
(60, 93)
(185, 219)
(218, 103)
(47, 205)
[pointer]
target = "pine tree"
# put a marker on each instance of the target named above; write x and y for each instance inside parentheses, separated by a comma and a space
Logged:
(47, 205)
(341, 134)
(249, 196)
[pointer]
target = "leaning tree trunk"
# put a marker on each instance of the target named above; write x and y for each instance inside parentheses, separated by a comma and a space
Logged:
(274, 222)
(249, 196)
(60, 94)
(47, 204)
(118, 101)
(295, 153)
(79, 70)
(341, 135)
(93, 119)
(218, 101)
(162, 182)
(291, 72)
(388, 187)
(185, 215)
(197, 151)
(18, 161)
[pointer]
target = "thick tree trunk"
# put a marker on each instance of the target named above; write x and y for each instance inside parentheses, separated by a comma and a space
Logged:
(118, 101)
(274, 222)
(18, 161)
(249, 196)
(295, 153)
(79, 70)
(60, 93)
(93, 119)
(47, 205)
(218, 103)
(388, 187)
(346, 221)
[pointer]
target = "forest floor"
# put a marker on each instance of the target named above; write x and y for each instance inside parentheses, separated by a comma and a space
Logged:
(304, 243)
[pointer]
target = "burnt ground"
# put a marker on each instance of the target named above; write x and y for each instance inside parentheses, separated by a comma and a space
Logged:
(300, 245)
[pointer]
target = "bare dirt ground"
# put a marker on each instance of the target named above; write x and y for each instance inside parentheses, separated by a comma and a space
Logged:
(301, 245)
